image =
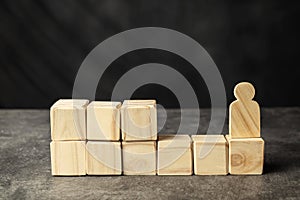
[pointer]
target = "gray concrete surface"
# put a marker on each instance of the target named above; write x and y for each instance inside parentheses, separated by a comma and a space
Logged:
(25, 165)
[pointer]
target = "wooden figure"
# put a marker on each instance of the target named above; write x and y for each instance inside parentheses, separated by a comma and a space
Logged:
(139, 120)
(103, 120)
(174, 155)
(244, 113)
(210, 155)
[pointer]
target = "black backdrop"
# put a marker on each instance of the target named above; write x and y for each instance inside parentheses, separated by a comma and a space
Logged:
(42, 44)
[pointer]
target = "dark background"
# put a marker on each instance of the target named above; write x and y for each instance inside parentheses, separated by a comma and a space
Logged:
(42, 44)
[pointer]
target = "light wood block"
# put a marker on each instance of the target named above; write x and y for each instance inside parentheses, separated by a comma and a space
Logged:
(246, 155)
(139, 158)
(244, 113)
(174, 155)
(103, 120)
(68, 119)
(139, 102)
(139, 120)
(68, 158)
(210, 155)
(103, 158)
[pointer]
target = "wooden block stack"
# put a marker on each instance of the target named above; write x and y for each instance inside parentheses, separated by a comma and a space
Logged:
(86, 139)
(246, 147)
(139, 134)
(68, 134)
(103, 149)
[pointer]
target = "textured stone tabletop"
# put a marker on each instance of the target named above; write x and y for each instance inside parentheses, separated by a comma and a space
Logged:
(25, 165)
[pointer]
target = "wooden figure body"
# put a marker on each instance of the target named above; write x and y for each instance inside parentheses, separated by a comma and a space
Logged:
(244, 113)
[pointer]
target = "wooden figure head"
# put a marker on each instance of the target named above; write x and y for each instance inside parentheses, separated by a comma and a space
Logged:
(244, 91)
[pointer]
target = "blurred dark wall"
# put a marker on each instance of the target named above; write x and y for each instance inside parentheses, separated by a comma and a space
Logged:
(42, 44)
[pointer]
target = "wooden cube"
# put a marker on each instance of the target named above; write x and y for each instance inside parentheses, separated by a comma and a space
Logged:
(174, 155)
(139, 158)
(68, 119)
(67, 158)
(210, 155)
(103, 120)
(139, 120)
(246, 155)
(103, 158)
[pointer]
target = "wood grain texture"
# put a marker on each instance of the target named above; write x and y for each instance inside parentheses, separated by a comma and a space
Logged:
(246, 156)
(68, 119)
(103, 158)
(103, 120)
(210, 155)
(68, 158)
(139, 120)
(244, 113)
(174, 155)
(139, 158)
(140, 102)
